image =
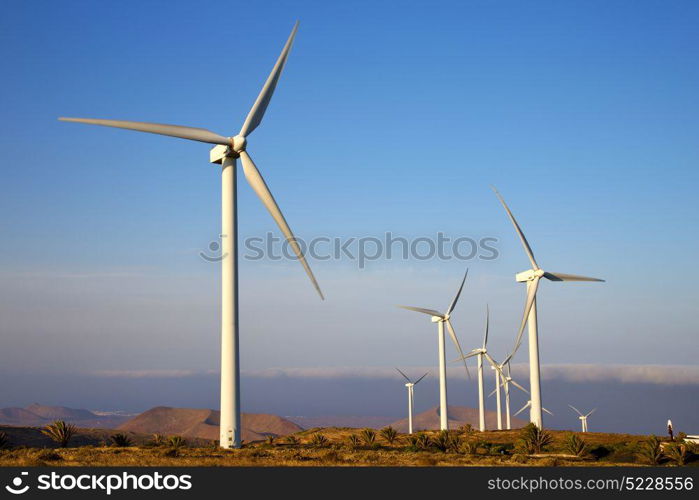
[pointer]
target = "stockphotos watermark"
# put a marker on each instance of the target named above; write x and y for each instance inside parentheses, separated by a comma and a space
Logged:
(361, 249)
(100, 483)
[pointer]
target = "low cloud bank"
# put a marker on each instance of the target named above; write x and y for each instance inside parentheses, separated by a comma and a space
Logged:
(641, 374)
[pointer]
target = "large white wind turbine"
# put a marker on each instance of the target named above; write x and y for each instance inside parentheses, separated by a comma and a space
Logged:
(583, 418)
(531, 278)
(225, 153)
(441, 319)
(411, 398)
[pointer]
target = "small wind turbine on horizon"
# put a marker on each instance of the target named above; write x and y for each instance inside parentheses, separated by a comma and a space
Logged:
(225, 153)
(411, 398)
(441, 319)
(583, 418)
(531, 278)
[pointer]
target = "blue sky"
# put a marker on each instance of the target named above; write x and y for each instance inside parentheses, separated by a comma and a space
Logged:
(389, 117)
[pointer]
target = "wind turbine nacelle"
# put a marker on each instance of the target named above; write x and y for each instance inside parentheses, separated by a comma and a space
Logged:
(436, 319)
(218, 154)
(529, 275)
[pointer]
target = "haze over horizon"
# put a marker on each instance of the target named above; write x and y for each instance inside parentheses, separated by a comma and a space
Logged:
(584, 116)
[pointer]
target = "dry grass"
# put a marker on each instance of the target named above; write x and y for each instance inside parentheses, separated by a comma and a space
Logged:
(492, 448)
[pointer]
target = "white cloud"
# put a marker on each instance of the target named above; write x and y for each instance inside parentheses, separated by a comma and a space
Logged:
(644, 374)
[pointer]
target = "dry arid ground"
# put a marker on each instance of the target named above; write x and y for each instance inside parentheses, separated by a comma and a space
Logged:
(491, 448)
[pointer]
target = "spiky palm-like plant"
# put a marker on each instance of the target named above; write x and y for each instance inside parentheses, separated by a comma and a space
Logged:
(319, 440)
(423, 441)
(678, 453)
(120, 440)
(446, 441)
(291, 439)
(270, 439)
(157, 440)
(369, 436)
(60, 432)
(389, 434)
(354, 441)
(534, 439)
(575, 445)
(4, 440)
(650, 450)
(176, 442)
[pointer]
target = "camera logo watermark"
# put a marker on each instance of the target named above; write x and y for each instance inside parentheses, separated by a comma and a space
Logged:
(364, 249)
(16, 488)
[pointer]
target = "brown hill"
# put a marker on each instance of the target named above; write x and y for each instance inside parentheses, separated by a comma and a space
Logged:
(36, 415)
(458, 416)
(351, 421)
(19, 417)
(60, 412)
(192, 422)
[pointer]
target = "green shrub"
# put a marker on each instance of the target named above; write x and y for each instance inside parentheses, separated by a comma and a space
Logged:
(176, 442)
(368, 436)
(291, 439)
(422, 441)
(4, 440)
(319, 440)
(270, 439)
(650, 451)
(533, 440)
(60, 432)
(354, 441)
(389, 434)
(446, 441)
(575, 445)
(120, 440)
(677, 452)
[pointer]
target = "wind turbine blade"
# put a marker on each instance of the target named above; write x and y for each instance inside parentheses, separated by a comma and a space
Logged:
(418, 380)
(404, 375)
(258, 109)
(523, 408)
(568, 277)
(531, 295)
(518, 386)
(430, 312)
(456, 297)
(454, 339)
(191, 133)
(544, 409)
(576, 410)
(468, 355)
(593, 411)
(524, 241)
(493, 363)
(487, 322)
(260, 187)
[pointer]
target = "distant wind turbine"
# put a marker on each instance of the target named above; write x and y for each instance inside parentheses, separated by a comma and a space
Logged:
(583, 418)
(441, 319)
(480, 353)
(506, 376)
(531, 278)
(411, 398)
(529, 405)
(225, 153)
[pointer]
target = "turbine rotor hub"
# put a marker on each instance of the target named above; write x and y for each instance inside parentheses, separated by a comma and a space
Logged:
(238, 143)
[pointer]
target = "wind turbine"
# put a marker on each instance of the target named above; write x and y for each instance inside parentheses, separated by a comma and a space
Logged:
(480, 353)
(531, 278)
(583, 418)
(411, 398)
(225, 153)
(441, 319)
